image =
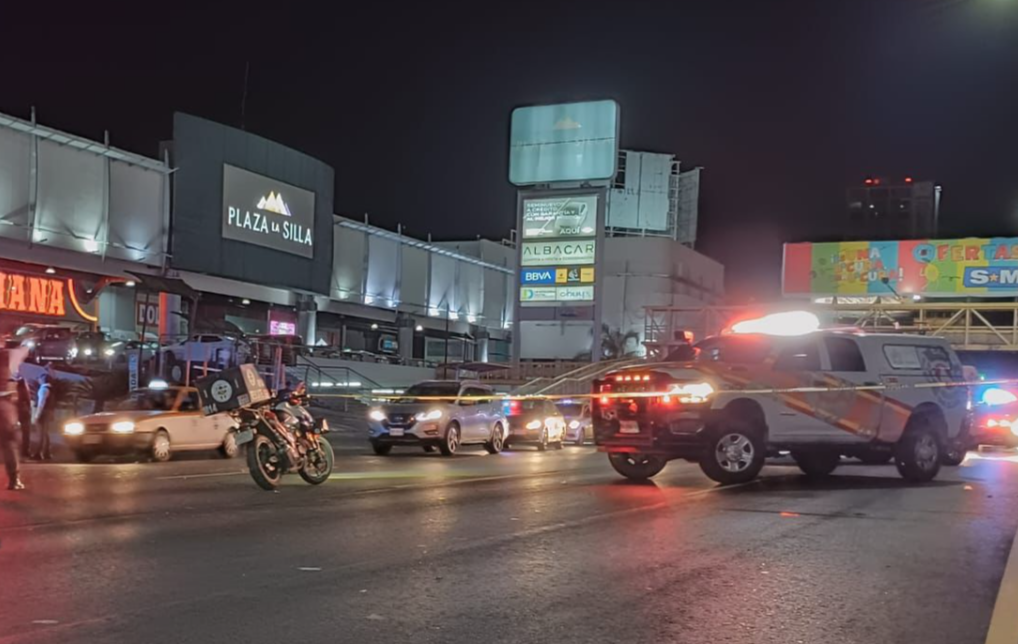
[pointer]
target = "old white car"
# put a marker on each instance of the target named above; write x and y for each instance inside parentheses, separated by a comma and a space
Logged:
(156, 422)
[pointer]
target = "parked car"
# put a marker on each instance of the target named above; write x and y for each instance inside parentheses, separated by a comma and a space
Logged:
(535, 422)
(156, 422)
(50, 344)
(439, 413)
(121, 348)
(579, 424)
(218, 351)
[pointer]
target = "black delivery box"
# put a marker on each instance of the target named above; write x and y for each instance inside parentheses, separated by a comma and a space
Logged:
(231, 389)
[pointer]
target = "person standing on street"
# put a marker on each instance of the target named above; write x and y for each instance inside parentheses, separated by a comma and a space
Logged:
(25, 416)
(45, 408)
(8, 424)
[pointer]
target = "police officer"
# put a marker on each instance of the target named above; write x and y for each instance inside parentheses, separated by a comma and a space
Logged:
(9, 424)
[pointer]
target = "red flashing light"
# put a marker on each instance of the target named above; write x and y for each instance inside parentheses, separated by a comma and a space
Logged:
(605, 400)
(876, 182)
(868, 182)
(514, 407)
(908, 179)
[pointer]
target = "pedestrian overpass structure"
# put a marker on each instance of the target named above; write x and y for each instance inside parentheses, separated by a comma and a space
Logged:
(969, 326)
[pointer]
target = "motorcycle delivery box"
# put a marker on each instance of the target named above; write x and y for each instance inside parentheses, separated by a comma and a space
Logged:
(231, 389)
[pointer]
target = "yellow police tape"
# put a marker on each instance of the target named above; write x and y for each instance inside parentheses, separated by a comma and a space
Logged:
(657, 394)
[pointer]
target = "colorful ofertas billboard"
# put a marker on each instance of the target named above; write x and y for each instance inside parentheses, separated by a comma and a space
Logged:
(972, 267)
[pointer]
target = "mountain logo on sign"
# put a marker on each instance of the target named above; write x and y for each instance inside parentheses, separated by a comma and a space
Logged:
(274, 203)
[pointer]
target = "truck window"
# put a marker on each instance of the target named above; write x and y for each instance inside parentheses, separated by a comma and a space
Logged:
(800, 356)
(844, 354)
(902, 356)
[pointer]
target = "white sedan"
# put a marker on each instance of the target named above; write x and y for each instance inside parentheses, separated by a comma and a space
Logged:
(155, 422)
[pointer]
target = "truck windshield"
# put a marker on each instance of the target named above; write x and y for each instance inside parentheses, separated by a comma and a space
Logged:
(734, 349)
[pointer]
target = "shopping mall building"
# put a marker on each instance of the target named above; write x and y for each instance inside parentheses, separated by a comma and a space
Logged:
(229, 231)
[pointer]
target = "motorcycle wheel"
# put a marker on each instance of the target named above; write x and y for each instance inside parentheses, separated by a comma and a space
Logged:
(319, 464)
(263, 463)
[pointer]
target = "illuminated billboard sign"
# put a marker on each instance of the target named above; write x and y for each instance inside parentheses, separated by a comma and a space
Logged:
(973, 267)
(560, 217)
(558, 252)
(566, 142)
(551, 276)
(266, 212)
(554, 294)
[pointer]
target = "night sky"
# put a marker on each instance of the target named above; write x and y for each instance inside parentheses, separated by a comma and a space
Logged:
(784, 103)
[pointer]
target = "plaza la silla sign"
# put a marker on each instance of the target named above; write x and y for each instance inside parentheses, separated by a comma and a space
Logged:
(267, 212)
(554, 294)
(560, 217)
(558, 252)
(564, 275)
(30, 294)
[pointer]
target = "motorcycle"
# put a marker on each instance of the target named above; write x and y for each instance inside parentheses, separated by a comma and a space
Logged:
(284, 438)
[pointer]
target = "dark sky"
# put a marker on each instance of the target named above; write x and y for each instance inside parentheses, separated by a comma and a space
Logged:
(784, 103)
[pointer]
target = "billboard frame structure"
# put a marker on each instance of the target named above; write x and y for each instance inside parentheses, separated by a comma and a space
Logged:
(554, 311)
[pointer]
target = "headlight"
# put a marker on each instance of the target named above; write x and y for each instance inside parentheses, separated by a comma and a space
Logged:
(88, 352)
(74, 429)
(574, 424)
(534, 424)
(30, 344)
(73, 352)
(123, 427)
(108, 352)
(692, 392)
(376, 415)
(434, 414)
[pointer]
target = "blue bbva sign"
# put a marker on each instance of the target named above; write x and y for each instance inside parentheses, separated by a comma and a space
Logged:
(537, 276)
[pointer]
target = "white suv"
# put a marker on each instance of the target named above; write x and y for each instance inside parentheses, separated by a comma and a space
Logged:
(439, 413)
(838, 393)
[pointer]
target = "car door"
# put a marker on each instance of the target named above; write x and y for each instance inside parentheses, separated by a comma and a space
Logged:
(851, 415)
(473, 415)
(797, 364)
(188, 432)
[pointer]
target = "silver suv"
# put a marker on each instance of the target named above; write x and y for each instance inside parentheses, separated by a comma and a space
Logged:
(439, 413)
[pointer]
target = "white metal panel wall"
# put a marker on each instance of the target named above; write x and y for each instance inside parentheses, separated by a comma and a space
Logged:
(15, 160)
(136, 230)
(443, 295)
(70, 212)
(471, 289)
(653, 202)
(414, 283)
(348, 263)
(496, 297)
(383, 271)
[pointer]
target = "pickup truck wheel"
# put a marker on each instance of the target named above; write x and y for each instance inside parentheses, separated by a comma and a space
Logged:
(735, 453)
(953, 454)
(637, 467)
(917, 455)
(817, 464)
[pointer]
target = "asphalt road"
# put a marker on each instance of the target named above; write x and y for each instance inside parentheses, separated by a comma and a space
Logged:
(520, 547)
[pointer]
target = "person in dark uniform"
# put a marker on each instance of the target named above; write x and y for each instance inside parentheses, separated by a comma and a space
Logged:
(8, 424)
(25, 416)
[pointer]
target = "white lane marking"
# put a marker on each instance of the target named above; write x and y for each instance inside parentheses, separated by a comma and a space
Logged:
(1004, 622)
(309, 569)
(199, 476)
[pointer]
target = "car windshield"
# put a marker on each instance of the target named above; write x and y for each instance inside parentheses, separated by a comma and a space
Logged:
(734, 349)
(147, 400)
(434, 389)
(570, 410)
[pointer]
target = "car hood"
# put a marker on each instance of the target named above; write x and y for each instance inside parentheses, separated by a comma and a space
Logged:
(413, 408)
(136, 416)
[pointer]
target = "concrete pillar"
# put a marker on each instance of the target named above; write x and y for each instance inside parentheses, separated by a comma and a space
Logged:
(171, 319)
(482, 338)
(307, 319)
(405, 325)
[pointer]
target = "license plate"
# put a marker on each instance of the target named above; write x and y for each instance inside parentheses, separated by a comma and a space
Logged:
(245, 436)
(396, 432)
(629, 427)
(92, 440)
